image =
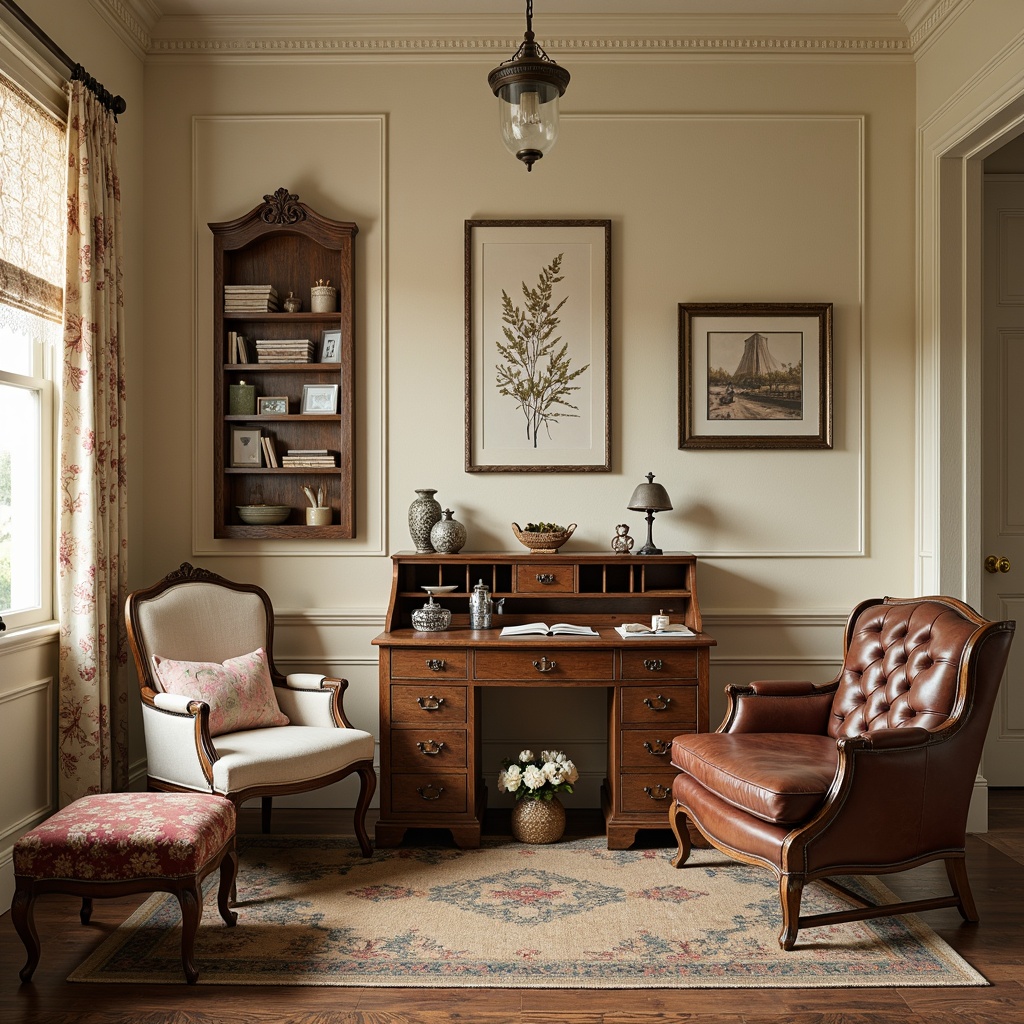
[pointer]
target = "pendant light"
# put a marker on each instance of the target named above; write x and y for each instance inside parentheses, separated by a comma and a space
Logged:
(528, 86)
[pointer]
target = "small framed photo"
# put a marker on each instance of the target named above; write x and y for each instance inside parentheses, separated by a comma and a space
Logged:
(330, 347)
(272, 405)
(246, 449)
(320, 398)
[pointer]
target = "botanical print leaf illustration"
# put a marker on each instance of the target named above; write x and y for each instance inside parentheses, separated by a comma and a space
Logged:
(537, 373)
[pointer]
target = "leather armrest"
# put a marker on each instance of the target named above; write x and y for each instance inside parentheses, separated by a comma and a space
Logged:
(778, 706)
(889, 739)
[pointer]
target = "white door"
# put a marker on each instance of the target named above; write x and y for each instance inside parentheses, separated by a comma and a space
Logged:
(1003, 460)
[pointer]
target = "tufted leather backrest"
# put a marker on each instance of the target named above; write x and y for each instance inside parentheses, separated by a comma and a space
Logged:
(902, 666)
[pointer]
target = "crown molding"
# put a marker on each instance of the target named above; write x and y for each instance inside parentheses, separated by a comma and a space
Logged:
(925, 19)
(383, 36)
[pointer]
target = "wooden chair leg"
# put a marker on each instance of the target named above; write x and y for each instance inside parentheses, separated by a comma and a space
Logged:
(677, 822)
(956, 872)
(25, 926)
(266, 806)
(226, 892)
(791, 888)
(190, 899)
(86, 912)
(367, 786)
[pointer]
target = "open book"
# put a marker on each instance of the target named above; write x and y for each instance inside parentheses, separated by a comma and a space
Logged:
(543, 629)
(638, 629)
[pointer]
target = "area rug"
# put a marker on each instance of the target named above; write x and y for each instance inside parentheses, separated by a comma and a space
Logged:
(312, 911)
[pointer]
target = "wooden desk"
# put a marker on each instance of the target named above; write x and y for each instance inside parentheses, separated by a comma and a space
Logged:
(430, 683)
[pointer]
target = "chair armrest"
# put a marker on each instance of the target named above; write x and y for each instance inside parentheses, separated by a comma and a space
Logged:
(778, 706)
(178, 745)
(890, 739)
(309, 698)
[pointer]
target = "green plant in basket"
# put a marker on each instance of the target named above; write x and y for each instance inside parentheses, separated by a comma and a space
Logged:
(544, 528)
(530, 777)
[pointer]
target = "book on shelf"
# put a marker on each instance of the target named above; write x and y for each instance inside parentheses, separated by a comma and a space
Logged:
(638, 629)
(308, 451)
(241, 349)
(543, 629)
(299, 350)
(269, 451)
(250, 298)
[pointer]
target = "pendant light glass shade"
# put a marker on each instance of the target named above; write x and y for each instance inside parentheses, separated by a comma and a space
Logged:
(528, 87)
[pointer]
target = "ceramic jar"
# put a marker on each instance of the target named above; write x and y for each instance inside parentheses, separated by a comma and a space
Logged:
(447, 535)
(292, 304)
(423, 513)
(538, 821)
(323, 298)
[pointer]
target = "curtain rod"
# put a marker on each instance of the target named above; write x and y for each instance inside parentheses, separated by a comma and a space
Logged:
(115, 104)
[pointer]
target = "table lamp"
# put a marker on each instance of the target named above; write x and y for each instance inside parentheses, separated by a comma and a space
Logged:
(650, 498)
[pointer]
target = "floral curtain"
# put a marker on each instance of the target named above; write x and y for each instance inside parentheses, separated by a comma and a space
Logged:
(92, 581)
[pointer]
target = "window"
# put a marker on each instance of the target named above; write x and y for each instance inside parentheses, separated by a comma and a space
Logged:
(32, 221)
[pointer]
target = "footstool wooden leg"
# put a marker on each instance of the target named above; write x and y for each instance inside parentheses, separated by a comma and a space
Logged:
(226, 893)
(190, 899)
(86, 912)
(24, 924)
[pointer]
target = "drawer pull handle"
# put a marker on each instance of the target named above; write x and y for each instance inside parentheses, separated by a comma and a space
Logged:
(652, 664)
(658, 703)
(430, 791)
(658, 792)
(659, 748)
(436, 664)
(430, 703)
(431, 748)
(546, 578)
(544, 665)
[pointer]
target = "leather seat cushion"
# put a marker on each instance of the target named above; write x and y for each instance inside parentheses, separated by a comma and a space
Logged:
(781, 778)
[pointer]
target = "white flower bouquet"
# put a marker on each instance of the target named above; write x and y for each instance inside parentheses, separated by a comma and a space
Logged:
(537, 778)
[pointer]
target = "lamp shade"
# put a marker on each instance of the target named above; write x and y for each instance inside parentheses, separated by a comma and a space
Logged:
(649, 497)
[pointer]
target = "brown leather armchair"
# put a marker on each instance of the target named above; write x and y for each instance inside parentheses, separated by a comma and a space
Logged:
(870, 773)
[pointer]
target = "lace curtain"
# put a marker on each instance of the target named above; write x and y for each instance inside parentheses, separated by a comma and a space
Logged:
(92, 487)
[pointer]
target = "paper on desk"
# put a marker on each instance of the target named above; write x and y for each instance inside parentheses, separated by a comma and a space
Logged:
(638, 629)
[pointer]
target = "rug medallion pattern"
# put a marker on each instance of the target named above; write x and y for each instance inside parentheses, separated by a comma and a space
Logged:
(313, 911)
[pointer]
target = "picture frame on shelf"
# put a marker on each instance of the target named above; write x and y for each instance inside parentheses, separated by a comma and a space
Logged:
(246, 448)
(320, 399)
(272, 405)
(755, 375)
(330, 346)
(516, 272)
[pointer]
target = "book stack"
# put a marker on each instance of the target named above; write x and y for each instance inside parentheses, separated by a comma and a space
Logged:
(250, 298)
(284, 350)
(311, 457)
(238, 348)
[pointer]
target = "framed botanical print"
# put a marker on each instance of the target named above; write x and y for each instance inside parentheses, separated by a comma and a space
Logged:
(755, 375)
(538, 343)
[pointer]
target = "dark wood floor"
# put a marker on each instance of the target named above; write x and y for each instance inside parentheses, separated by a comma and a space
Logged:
(995, 947)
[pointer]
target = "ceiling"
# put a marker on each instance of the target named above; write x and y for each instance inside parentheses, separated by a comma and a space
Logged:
(300, 8)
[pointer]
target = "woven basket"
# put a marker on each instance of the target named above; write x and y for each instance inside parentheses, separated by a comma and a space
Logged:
(542, 543)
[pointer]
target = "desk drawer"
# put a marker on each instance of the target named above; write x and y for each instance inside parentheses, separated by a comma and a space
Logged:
(429, 793)
(544, 578)
(428, 705)
(666, 707)
(647, 792)
(428, 663)
(659, 663)
(544, 664)
(428, 749)
(646, 748)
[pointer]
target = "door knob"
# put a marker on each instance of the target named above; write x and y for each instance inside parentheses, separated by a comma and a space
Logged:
(997, 564)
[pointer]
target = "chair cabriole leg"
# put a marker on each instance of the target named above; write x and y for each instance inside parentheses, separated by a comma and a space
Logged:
(956, 872)
(86, 912)
(367, 786)
(190, 899)
(677, 822)
(266, 807)
(791, 888)
(226, 892)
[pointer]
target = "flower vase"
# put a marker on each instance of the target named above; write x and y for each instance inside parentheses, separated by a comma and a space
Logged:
(423, 513)
(538, 821)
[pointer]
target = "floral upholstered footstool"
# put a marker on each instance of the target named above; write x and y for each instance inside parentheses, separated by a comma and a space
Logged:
(118, 844)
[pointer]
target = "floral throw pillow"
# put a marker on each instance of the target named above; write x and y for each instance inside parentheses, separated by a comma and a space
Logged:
(239, 691)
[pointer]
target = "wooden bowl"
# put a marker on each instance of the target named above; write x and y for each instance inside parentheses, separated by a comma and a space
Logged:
(542, 543)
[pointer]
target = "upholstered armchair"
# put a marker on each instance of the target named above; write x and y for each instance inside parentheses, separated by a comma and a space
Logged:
(870, 773)
(218, 715)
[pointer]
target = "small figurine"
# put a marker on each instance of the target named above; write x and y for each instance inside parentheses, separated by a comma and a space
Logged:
(622, 543)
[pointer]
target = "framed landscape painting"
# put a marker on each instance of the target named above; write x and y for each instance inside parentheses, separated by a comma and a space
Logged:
(538, 342)
(755, 375)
